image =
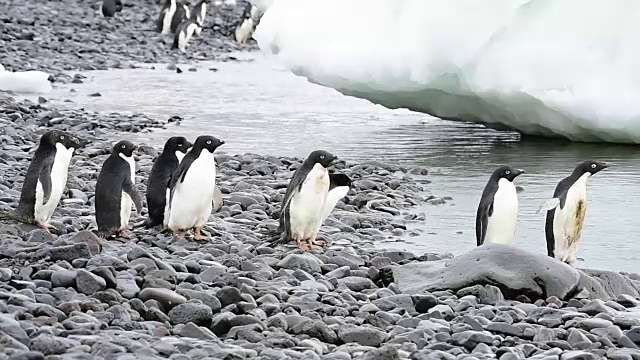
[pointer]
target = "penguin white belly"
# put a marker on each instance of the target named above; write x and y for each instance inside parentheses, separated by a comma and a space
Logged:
(568, 222)
(333, 197)
(501, 225)
(125, 199)
(168, 15)
(59, 171)
(193, 199)
(306, 207)
(244, 31)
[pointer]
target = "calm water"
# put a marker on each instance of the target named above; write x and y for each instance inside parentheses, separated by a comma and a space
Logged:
(257, 106)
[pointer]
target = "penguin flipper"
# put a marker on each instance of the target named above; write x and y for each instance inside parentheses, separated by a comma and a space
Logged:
(549, 205)
(45, 181)
(482, 221)
(131, 190)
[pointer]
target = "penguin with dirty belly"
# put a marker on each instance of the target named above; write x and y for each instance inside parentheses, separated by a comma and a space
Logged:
(566, 211)
(497, 213)
(307, 203)
(116, 191)
(46, 178)
(193, 188)
(158, 186)
(163, 24)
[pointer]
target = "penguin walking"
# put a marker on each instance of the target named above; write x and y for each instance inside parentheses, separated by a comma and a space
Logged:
(339, 186)
(305, 204)
(158, 185)
(566, 211)
(498, 209)
(163, 25)
(183, 34)
(116, 191)
(181, 14)
(247, 23)
(200, 12)
(46, 178)
(193, 188)
(111, 7)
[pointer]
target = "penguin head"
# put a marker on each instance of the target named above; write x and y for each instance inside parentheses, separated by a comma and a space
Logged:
(177, 143)
(124, 147)
(321, 157)
(507, 172)
(591, 167)
(210, 143)
(54, 137)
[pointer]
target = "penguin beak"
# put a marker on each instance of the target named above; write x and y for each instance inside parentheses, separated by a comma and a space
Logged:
(604, 164)
(82, 143)
(222, 142)
(520, 172)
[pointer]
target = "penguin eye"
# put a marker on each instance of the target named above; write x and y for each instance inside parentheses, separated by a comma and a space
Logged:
(593, 166)
(124, 146)
(322, 157)
(61, 137)
(208, 142)
(507, 172)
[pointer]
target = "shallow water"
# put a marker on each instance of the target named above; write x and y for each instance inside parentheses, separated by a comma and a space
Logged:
(259, 107)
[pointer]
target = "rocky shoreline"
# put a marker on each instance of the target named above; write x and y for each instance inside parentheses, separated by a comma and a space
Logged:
(76, 296)
(72, 35)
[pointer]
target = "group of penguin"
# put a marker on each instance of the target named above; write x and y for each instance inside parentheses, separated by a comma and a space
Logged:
(182, 193)
(498, 210)
(181, 189)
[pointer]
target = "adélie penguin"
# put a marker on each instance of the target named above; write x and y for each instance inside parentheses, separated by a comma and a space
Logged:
(163, 24)
(111, 7)
(199, 12)
(247, 23)
(182, 13)
(497, 213)
(305, 206)
(158, 185)
(116, 191)
(192, 187)
(566, 211)
(46, 178)
(184, 33)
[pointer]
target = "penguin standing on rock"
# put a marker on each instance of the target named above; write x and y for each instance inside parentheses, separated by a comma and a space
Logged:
(247, 23)
(199, 11)
(306, 205)
(498, 210)
(158, 186)
(181, 14)
(566, 211)
(111, 7)
(193, 188)
(46, 178)
(163, 25)
(184, 33)
(116, 191)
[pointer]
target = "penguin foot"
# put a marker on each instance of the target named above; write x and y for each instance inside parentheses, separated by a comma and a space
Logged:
(197, 235)
(303, 245)
(318, 242)
(179, 234)
(123, 234)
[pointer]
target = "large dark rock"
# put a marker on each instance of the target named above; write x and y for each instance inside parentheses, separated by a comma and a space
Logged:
(515, 272)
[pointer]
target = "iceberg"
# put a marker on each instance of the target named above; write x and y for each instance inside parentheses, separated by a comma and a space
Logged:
(553, 68)
(27, 82)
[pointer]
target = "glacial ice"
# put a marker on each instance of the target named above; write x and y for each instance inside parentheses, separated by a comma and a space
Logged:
(27, 82)
(556, 68)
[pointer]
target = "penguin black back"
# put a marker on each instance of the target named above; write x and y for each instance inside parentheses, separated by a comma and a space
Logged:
(160, 176)
(113, 180)
(182, 13)
(111, 7)
(40, 169)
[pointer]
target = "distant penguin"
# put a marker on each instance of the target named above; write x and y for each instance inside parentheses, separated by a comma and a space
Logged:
(498, 210)
(163, 25)
(111, 7)
(339, 186)
(183, 34)
(199, 12)
(305, 205)
(158, 185)
(247, 24)
(116, 191)
(181, 14)
(566, 211)
(193, 188)
(46, 178)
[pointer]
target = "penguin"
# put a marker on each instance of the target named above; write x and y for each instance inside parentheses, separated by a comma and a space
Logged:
(182, 13)
(183, 34)
(193, 188)
(566, 211)
(163, 25)
(158, 185)
(498, 209)
(303, 207)
(116, 191)
(111, 7)
(46, 178)
(247, 24)
(339, 186)
(200, 12)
